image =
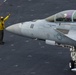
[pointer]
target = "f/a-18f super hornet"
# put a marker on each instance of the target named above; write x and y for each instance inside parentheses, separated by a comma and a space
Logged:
(58, 29)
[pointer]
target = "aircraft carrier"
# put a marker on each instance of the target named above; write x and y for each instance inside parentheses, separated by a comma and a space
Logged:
(25, 56)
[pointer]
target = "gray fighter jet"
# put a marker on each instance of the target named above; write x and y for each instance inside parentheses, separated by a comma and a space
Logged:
(58, 29)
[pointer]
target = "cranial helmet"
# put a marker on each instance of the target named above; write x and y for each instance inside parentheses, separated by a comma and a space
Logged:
(1, 17)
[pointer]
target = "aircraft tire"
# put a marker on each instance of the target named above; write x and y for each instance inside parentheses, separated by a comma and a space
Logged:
(71, 64)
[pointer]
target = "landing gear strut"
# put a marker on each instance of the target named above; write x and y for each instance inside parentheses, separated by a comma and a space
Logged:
(72, 63)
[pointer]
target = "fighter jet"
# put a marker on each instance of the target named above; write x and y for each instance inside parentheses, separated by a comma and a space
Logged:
(58, 29)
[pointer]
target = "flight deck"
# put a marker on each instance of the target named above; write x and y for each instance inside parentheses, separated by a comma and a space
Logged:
(25, 56)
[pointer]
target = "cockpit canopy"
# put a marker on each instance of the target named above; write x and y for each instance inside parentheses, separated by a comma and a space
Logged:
(64, 16)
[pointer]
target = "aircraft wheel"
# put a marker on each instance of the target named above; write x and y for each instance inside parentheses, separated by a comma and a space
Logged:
(71, 64)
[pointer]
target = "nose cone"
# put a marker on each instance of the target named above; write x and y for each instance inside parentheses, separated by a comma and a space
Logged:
(14, 28)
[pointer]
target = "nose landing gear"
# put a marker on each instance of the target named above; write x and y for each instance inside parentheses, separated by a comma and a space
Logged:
(72, 63)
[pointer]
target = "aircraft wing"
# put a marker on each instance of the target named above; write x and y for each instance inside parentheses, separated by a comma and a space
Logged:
(69, 33)
(72, 34)
(68, 38)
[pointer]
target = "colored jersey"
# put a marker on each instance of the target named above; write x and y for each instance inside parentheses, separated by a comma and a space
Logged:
(2, 26)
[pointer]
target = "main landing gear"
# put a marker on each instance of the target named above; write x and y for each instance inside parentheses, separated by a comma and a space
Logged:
(72, 63)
